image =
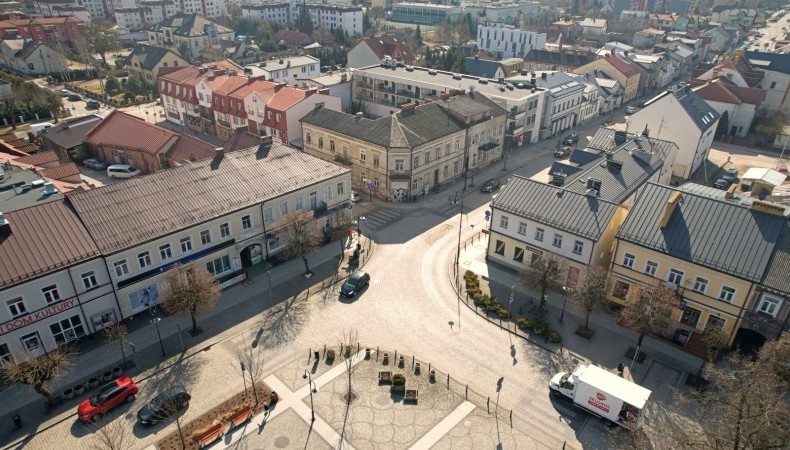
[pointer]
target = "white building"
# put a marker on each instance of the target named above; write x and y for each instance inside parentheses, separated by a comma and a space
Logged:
(384, 89)
(333, 16)
(506, 41)
(272, 12)
(189, 32)
(506, 12)
(679, 116)
(338, 83)
(563, 101)
(148, 13)
(286, 70)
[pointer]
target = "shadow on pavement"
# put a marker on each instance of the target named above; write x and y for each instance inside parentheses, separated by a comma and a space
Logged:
(284, 322)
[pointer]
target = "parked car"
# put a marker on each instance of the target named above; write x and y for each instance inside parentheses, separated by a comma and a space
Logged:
(571, 139)
(355, 197)
(108, 397)
(74, 97)
(164, 405)
(355, 283)
(731, 175)
(631, 109)
(65, 92)
(122, 171)
(93, 163)
(563, 152)
(92, 104)
(721, 183)
(490, 185)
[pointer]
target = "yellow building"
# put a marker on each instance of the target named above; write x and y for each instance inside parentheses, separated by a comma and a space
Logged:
(625, 72)
(712, 251)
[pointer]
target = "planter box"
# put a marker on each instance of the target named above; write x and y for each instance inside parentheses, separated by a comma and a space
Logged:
(411, 395)
(385, 377)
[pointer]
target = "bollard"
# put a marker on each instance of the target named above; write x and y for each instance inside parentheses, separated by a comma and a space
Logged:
(412, 360)
(448, 381)
(466, 393)
(377, 353)
(488, 404)
(511, 418)
(324, 349)
(357, 347)
(309, 353)
(429, 367)
(396, 354)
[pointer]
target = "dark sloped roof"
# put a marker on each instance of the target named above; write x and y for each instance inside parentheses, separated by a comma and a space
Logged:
(565, 59)
(148, 55)
(560, 168)
(71, 133)
(723, 236)
(582, 157)
(481, 67)
(776, 62)
(123, 215)
(42, 239)
(776, 277)
(582, 215)
(697, 109)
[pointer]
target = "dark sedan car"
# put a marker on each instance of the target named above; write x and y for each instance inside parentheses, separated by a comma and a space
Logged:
(490, 186)
(164, 406)
(355, 283)
(571, 139)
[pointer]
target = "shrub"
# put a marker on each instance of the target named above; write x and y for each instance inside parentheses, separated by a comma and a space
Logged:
(553, 336)
(540, 326)
(477, 296)
(502, 312)
(398, 379)
(525, 323)
(469, 274)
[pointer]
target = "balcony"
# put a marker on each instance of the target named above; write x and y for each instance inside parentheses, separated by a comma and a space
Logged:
(407, 93)
(488, 146)
(400, 174)
(364, 84)
(514, 115)
(343, 160)
(224, 123)
(384, 88)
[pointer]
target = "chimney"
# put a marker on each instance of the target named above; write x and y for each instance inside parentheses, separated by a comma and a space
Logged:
(265, 141)
(543, 76)
(3, 221)
(673, 201)
(768, 208)
(219, 152)
(324, 91)
(646, 131)
(408, 107)
(359, 115)
(319, 105)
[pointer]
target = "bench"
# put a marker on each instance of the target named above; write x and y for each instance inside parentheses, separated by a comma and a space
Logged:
(211, 435)
(240, 416)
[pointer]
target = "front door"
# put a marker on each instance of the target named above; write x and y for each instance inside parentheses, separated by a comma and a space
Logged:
(436, 177)
(32, 344)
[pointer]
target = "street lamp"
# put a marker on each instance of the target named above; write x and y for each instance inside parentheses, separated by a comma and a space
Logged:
(146, 115)
(568, 291)
(155, 320)
(271, 302)
(310, 386)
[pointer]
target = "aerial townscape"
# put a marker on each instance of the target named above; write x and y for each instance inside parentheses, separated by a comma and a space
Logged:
(375, 224)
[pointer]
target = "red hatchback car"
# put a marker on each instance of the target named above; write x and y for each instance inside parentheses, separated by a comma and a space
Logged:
(108, 397)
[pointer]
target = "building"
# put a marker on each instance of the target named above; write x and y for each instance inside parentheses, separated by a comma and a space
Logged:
(593, 28)
(530, 219)
(566, 60)
(563, 101)
(338, 83)
(271, 12)
(212, 216)
(738, 103)
(49, 30)
(383, 88)
(775, 68)
(403, 155)
(31, 58)
(625, 72)
(494, 70)
(188, 35)
(145, 62)
(504, 12)
(288, 70)
(332, 16)
(144, 15)
(424, 13)
(372, 50)
(293, 38)
(668, 239)
(67, 139)
(680, 116)
(506, 41)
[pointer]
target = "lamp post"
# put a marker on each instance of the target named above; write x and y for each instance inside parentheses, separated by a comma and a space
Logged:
(310, 385)
(567, 292)
(271, 302)
(146, 115)
(155, 320)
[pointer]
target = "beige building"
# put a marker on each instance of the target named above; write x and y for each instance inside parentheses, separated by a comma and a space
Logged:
(712, 251)
(402, 156)
(625, 72)
(145, 61)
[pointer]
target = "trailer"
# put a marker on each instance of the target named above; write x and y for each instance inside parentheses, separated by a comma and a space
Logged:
(603, 394)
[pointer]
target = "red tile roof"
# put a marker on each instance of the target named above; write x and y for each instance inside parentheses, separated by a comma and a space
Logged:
(723, 91)
(286, 97)
(38, 159)
(40, 240)
(252, 86)
(126, 131)
(60, 172)
(626, 68)
(190, 148)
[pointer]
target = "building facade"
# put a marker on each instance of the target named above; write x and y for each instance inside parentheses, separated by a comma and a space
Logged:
(507, 41)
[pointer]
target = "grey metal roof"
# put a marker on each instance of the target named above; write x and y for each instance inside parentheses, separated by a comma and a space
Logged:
(481, 67)
(723, 236)
(70, 133)
(776, 277)
(582, 157)
(560, 168)
(123, 215)
(698, 110)
(12, 199)
(582, 215)
(777, 62)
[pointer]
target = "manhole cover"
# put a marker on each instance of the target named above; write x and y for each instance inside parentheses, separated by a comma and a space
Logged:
(282, 442)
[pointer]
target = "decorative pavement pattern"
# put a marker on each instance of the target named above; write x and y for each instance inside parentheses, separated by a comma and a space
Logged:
(443, 417)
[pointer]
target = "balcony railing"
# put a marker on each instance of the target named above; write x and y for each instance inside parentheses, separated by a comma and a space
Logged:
(384, 88)
(488, 146)
(400, 174)
(364, 84)
(407, 93)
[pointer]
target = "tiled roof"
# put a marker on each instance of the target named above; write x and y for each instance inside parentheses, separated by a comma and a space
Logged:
(719, 90)
(286, 97)
(250, 87)
(125, 214)
(42, 239)
(231, 84)
(72, 133)
(190, 148)
(60, 172)
(188, 25)
(38, 159)
(779, 266)
(627, 68)
(723, 236)
(293, 37)
(125, 131)
(579, 214)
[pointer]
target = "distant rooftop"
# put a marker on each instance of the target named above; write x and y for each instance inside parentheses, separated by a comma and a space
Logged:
(18, 192)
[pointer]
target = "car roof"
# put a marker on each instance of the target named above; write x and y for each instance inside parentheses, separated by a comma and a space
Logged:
(119, 166)
(357, 275)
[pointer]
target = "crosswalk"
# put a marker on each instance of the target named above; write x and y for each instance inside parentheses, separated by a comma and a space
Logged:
(384, 217)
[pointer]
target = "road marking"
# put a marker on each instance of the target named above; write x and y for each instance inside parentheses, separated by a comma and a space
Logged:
(441, 429)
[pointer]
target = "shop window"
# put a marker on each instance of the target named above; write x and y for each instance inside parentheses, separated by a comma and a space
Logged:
(620, 290)
(690, 316)
(218, 266)
(67, 330)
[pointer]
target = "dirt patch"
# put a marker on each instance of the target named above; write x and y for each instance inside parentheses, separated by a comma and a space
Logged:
(431, 237)
(216, 415)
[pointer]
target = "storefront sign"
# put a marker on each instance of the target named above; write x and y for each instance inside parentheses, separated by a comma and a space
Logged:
(20, 322)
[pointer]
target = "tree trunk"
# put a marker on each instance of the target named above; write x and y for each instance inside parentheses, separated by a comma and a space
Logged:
(43, 391)
(639, 342)
(194, 323)
(103, 58)
(306, 265)
(587, 320)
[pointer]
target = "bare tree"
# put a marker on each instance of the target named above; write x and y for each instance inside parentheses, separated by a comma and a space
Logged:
(111, 435)
(591, 296)
(545, 272)
(303, 236)
(776, 354)
(348, 340)
(38, 372)
(251, 364)
(189, 288)
(745, 409)
(648, 310)
(118, 335)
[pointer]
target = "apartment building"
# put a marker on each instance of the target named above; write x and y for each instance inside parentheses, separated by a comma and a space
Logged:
(189, 34)
(625, 72)
(507, 41)
(272, 12)
(48, 30)
(563, 99)
(285, 70)
(383, 88)
(328, 16)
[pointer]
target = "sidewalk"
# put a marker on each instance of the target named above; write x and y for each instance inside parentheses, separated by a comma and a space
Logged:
(236, 305)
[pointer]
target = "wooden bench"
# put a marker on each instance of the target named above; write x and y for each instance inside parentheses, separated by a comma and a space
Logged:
(411, 395)
(385, 376)
(240, 417)
(211, 435)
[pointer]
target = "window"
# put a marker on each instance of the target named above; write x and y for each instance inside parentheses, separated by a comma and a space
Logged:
(518, 255)
(651, 267)
(727, 294)
(144, 259)
(769, 305)
(121, 269)
(620, 290)
(628, 260)
(332, 145)
(503, 221)
(578, 247)
(500, 248)
(89, 280)
(313, 200)
(205, 237)
(186, 245)
(165, 252)
(5, 355)
(362, 156)
(700, 285)
(299, 202)
(522, 228)
(51, 294)
(67, 330)
(675, 277)
(224, 230)
(539, 234)
(308, 137)
(557, 242)
(320, 142)
(219, 265)
(690, 317)
(773, 84)
(246, 222)
(268, 214)
(16, 307)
